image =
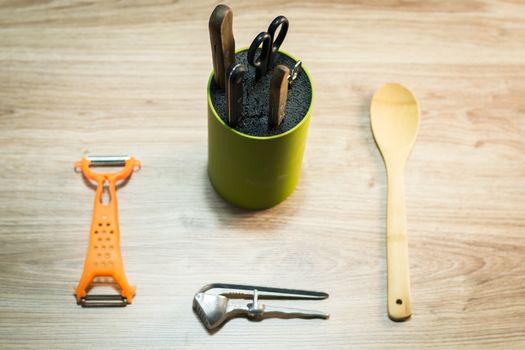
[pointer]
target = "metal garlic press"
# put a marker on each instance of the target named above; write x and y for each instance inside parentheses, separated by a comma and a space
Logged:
(216, 303)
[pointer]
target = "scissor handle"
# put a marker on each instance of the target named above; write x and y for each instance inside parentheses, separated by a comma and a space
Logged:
(260, 63)
(279, 21)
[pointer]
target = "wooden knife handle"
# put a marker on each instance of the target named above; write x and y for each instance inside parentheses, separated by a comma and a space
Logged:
(235, 93)
(278, 94)
(222, 42)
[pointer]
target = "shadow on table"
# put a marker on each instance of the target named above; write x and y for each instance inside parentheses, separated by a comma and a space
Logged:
(231, 216)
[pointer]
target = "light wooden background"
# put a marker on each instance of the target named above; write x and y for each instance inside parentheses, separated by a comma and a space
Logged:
(129, 77)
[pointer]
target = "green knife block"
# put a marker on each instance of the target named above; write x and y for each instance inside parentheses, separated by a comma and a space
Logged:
(254, 172)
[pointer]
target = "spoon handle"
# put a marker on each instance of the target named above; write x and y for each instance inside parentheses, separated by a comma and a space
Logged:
(399, 304)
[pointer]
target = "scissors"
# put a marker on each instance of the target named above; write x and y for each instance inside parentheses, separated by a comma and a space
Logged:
(270, 46)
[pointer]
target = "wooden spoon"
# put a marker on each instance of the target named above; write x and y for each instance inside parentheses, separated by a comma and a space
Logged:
(394, 116)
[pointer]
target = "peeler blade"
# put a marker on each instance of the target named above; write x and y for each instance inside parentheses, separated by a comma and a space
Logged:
(103, 301)
(118, 160)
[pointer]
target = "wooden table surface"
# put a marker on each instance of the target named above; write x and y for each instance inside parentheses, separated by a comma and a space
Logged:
(129, 77)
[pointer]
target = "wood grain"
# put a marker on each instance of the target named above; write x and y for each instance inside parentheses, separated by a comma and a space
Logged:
(278, 94)
(129, 77)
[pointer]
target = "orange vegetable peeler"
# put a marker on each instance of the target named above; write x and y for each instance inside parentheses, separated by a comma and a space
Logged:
(103, 258)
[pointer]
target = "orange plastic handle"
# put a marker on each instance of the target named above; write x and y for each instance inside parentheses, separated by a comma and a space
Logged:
(103, 256)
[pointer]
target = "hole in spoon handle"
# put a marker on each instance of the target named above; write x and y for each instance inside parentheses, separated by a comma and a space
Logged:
(399, 305)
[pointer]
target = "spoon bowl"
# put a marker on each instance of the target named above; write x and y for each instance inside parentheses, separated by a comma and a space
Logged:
(394, 116)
